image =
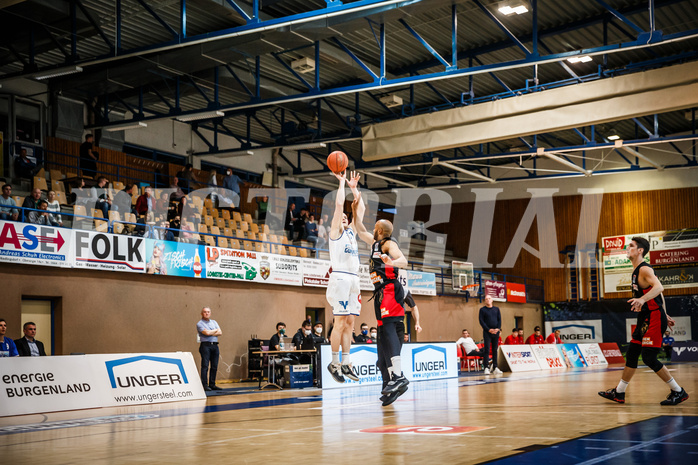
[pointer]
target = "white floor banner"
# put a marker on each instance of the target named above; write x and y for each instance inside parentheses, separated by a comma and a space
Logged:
(71, 382)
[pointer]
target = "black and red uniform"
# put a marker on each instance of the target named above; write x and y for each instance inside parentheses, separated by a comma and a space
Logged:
(388, 299)
(652, 319)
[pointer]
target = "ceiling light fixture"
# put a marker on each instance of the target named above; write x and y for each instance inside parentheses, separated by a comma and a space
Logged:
(516, 7)
(234, 153)
(123, 127)
(200, 116)
(613, 137)
(57, 72)
(579, 59)
(308, 146)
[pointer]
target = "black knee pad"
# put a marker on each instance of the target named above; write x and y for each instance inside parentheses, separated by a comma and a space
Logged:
(649, 356)
(633, 355)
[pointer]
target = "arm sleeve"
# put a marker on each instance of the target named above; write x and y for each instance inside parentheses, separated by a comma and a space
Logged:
(200, 327)
(13, 348)
(483, 323)
(499, 319)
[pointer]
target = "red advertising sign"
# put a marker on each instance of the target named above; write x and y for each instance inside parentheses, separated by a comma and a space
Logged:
(611, 352)
(496, 289)
(516, 293)
(613, 243)
(674, 257)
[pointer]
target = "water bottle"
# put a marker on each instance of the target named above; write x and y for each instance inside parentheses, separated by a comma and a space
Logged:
(281, 343)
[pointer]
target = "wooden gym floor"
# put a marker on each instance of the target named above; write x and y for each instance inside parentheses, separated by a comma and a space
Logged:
(538, 418)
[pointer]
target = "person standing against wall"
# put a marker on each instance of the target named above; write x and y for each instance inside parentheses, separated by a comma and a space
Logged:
(209, 331)
(491, 322)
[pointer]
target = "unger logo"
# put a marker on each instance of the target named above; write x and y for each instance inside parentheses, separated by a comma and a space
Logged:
(429, 361)
(581, 332)
(160, 379)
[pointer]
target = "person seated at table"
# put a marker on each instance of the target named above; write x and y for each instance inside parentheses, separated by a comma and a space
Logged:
(303, 340)
(274, 340)
(364, 337)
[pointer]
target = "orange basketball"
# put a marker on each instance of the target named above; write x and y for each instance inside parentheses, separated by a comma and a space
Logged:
(337, 161)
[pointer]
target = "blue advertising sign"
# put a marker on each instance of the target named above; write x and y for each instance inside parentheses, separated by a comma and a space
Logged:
(175, 259)
(572, 356)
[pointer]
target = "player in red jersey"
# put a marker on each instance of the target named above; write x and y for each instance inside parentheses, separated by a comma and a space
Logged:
(652, 321)
(513, 338)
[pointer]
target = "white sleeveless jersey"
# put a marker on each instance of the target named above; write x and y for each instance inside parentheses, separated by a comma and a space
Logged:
(344, 253)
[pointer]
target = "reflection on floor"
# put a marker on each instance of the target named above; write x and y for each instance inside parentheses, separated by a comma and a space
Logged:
(548, 418)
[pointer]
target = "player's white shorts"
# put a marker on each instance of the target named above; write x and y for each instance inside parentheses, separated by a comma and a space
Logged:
(344, 294)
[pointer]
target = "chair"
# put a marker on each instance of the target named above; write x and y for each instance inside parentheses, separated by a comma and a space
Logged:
(208, 220)
(118, 186)
(57, 186)
(223, 242)
(131, 218)
(234, 244)
(259, 247)
(303, 253)
(60, 196)
(266, 229)
(251, 235)
(101, 225)
(220, 222)
(281, 250)
(214, 213)
(118, 228)
(245, 226)
(208, 203)
(56, 175)
(215, 230)
(40, 183)
(262, 237)
(210, 241)
(114, 215)
(239, 234)
(247, 217)
(236, 216)
(226, 214)
(249, 246)
(96, 213)
(254, 228)
(470, 360)
(292, 251)
(203, 228)
(227, 232)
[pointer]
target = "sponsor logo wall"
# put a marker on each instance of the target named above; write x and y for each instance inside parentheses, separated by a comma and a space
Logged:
(673, 254)
(684, 352)
(611, 352)
(419, 362)
(47, 246)
(32, 244)
(551, 356)
(50, 384)
(577, 331)
(516, 293)
(496, 289)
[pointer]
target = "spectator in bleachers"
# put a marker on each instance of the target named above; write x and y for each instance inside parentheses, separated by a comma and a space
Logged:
(213, 185)
(175, 226)
(28, 346)
(163, 205)
(554, 338)
(187, 230)
(232, 182)
(290, 221)
(513, 338)
(322, 231)
(80, 195)
(536, 337)
(6, 204)
(187, 178)
(100, 196)
(178, 193)
(88, 157)
(146, 202)
(311, 231)
(32, 200)
(55, 208)
(262, 207)
(40, 217)
(24, 167)
(299, 225)
(123, 200)
(181, 209)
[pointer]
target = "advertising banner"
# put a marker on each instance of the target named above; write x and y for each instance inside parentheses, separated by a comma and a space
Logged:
(611, 352)
(32, 244)
(420, 361)
(175, 258)
(681, 331)
(281, 269)
(365, 278)
(592, 354)
(673, 254)
(50, 384)
(579, 331)
(520, 358)
(516, 293)
(236, 265)
(418, 282)
(496, 289)
(548, 356)
(316, 273)
(571, 355)
(684, 352)
(113, 252)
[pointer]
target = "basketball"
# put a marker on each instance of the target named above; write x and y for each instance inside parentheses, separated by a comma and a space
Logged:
(337, 161)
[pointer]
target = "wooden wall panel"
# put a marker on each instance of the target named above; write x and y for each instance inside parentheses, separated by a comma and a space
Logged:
(621, 213)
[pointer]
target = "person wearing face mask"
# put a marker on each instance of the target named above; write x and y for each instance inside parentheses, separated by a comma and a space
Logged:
(364, 337)
(303, 339)
(274, 340)
(374, 334)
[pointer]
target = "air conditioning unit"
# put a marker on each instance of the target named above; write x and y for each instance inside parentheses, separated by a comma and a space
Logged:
(304, 65)
(391, 101)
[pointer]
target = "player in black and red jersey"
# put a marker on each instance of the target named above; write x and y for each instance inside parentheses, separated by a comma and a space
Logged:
(652, 321)
(388, 299)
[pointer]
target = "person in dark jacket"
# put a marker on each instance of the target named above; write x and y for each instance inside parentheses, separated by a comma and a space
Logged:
(491, 322)
(29, 346)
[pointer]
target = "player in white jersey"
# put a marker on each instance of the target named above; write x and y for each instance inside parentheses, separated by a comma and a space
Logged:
(343, 291)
